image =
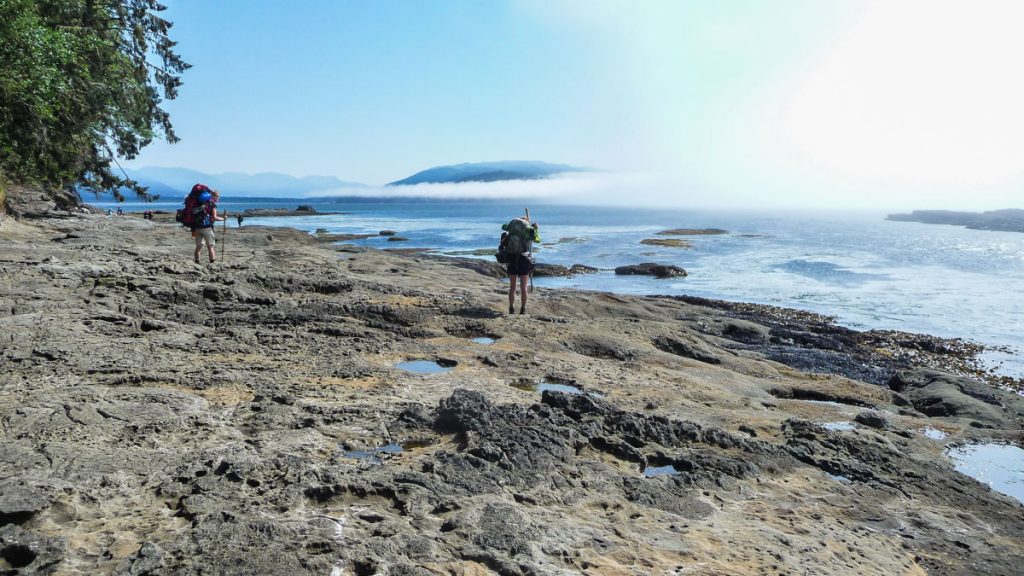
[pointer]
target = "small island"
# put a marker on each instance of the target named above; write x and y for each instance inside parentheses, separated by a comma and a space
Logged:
(302, 210)
(671, 242)
(693, 232)
(1007, 220)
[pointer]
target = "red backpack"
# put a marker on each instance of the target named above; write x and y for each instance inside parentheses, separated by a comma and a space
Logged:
(196, 213)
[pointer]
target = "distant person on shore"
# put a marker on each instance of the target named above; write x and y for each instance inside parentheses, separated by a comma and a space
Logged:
(518, 248)
(120, 212)
(240, 218)
(202, 225)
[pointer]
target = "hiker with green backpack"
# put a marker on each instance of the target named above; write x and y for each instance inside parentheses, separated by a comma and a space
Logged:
(516, 250)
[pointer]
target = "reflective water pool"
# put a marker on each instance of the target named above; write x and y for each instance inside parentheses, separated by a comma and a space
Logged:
(541, 386)
(1001, 466)
(373, 453)
(652, 471)
(423, 366)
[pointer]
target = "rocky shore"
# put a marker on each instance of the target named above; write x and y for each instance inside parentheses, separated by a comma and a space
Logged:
(250, 417)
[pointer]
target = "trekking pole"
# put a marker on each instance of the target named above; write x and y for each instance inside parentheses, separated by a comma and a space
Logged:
(224, 239)
(531, 271)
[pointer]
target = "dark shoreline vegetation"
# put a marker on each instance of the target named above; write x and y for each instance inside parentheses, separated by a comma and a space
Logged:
(302, 446)
(1008, 220)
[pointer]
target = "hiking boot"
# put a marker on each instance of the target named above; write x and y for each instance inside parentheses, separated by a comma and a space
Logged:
(522, 310)
(511, 309)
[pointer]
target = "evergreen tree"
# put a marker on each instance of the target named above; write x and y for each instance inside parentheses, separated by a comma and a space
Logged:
(81, 83)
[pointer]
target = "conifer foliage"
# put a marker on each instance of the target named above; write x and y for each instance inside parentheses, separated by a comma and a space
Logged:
(81, 84)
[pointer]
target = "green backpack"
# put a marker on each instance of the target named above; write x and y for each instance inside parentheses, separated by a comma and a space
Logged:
(520, 237)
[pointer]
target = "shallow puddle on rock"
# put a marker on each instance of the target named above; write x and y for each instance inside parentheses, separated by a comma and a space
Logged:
(530, 386)
(933, 433)
(566, 388)
(483, 340)
(652, 471)
(373, 453)
(839, 478)
(424, 366)
(830, 403)
(839, 426)
(1001, 466)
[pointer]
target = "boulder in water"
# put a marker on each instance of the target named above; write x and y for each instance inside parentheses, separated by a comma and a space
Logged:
(651, 269)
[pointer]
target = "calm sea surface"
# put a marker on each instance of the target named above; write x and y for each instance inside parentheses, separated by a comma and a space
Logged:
(864, 270)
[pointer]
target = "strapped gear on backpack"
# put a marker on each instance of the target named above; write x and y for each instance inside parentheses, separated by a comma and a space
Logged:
(520, 237)
(501, 255)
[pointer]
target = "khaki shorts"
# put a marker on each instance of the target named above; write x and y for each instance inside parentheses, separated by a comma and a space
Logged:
(201, 234)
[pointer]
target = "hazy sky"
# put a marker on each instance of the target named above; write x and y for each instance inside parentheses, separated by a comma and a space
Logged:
(860, 103)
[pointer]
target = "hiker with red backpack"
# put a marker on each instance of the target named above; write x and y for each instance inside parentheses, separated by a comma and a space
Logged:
(199, 215)
(516, 250)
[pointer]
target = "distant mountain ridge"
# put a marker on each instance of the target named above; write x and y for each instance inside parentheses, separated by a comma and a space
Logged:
(169, 181)
(487, 172)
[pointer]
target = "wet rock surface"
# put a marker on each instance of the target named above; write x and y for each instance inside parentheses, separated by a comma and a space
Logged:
(162, 417)
(651, 269)
(669, 242)
(935, 393)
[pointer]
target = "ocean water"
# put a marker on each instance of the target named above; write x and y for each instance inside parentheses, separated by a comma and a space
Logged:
(864, 270)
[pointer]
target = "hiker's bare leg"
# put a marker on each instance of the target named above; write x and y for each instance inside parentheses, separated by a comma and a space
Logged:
(523, 281)
(212, 251)
(511, 292)
(195, 256)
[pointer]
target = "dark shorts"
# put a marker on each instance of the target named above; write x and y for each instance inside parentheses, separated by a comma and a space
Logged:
(519, 266)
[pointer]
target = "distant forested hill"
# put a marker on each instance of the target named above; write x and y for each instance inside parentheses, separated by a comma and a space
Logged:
(1008, 220)
(487, 172)
(168, 182)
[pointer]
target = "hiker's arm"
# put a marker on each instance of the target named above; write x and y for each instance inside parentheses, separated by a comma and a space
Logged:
(219, 218)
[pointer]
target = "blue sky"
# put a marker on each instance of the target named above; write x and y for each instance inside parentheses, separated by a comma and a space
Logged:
(853, 103)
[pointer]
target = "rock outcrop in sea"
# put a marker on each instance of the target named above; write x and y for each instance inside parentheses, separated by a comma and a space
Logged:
(250, 417)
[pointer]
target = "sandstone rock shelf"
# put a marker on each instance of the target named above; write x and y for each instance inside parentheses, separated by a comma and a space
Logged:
(162, 417)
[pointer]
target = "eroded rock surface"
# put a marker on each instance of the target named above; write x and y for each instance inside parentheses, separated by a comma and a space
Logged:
(162, 417)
